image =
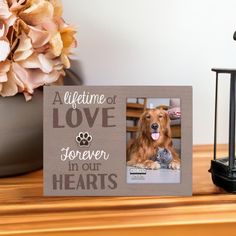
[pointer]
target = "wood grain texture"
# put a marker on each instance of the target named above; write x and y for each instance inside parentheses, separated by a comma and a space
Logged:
(24, 211)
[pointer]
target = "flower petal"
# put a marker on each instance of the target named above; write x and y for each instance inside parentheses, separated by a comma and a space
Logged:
(28, 96)
(23, 76)
(65, 60)
(9, 88)
(58, 67)
(4, 49)
(2, 29)
(10, 22)
(4, 10)
(24, 49)
(50, 25)
(52, 77)
(67, 36)
(57, 8)
(56, 44)
(36, 77)
(32, 62)
(32, 78)
(17, 81)
(42, 78)
(20, 26)
(3, 78)
(16, 5)
(4, 67)
(46, 64)
(20, 56)
(38, 62)
(25, 43)
(39, 37)
(37, 12)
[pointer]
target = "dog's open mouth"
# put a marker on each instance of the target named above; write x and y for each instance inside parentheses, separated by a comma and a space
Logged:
(155, 135)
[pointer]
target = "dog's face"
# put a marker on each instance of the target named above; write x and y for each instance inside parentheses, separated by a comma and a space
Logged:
(155, 124)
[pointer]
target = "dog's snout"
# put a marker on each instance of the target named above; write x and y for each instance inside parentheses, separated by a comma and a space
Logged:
(154, 126)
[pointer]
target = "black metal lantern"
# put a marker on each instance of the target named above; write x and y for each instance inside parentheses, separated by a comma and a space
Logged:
(223, 170)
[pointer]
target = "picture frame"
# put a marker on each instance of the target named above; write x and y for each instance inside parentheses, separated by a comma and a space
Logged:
(85, 141)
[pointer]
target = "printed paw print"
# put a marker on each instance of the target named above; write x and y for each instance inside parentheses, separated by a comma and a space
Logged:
(84, 139)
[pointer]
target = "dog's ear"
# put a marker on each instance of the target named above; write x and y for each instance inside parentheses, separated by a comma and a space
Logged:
(167, 124)
(142, 124)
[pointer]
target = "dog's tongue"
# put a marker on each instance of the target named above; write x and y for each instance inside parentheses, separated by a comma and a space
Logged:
(155, 136)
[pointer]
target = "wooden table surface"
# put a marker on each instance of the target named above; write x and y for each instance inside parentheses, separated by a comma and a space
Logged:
(24, 211)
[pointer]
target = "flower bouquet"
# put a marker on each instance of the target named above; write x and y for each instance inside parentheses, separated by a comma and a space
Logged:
(34, 45)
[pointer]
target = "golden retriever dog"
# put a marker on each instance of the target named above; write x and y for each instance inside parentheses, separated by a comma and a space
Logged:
(153, 132)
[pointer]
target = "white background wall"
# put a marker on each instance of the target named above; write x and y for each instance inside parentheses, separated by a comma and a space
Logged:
(158, 42)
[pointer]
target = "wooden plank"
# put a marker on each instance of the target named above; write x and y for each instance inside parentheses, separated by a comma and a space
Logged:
(24, 211)
(176, 131)
(133, 113)
(132, 129)
(135, 105)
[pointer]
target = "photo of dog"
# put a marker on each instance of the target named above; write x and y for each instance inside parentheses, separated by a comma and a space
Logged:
(153, 147)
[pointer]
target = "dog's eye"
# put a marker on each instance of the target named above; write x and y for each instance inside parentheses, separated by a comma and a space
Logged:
(148, 116)
(160, 116)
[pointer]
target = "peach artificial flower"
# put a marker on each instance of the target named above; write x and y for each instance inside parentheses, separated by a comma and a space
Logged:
(35, 44)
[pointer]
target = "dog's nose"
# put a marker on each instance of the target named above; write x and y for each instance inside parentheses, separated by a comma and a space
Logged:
(155, 126)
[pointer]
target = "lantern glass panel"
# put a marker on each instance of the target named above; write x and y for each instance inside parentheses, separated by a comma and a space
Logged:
(222, 140)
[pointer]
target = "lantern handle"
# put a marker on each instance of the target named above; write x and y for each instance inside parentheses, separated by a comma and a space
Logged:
(234, 37)
(215, 125)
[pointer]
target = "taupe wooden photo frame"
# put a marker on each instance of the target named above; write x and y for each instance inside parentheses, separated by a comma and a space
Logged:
(85, 141)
